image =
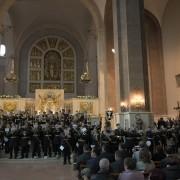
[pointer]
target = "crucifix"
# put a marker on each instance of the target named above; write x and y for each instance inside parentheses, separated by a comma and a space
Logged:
(177, 108)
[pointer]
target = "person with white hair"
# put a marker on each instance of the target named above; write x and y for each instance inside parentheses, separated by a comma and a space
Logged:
(103, 173)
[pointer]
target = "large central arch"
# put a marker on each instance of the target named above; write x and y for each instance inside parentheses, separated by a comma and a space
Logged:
(91, 6)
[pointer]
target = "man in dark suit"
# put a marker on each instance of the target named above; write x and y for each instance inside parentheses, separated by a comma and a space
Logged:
(118, 165)
(106, 154)
(47, 144)
(36, 145)
(13, 145)
(66, 151)
(93, 163)
(83, 158)
(24, 145)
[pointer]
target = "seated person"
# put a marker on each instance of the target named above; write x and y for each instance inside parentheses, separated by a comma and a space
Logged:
(145, 164)
(121, 148)
(172, 170)
(106, 154)
(83, 158)
(118, 165)
(170, 158)
(103, 173)
(136, 150)
(130, 172)
(157, 174)
(92, 164)
(159, 155)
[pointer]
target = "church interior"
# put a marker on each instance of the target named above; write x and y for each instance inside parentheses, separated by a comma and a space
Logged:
(105, 65)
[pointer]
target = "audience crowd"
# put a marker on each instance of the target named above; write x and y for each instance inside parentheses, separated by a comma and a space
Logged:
(96, 153)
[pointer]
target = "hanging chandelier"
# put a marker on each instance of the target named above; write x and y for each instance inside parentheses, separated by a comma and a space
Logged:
(85, 77)
(11, 76)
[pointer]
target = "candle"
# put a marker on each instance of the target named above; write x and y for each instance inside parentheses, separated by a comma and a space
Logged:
(12, 66)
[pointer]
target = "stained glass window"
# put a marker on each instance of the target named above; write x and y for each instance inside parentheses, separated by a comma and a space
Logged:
(52, 65)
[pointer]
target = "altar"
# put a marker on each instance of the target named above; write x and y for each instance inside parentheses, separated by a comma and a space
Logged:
(83, 105)
(11, 104)
(50, 100)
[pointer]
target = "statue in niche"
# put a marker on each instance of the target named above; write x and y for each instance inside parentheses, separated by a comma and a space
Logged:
(52, 64)
(139, 122)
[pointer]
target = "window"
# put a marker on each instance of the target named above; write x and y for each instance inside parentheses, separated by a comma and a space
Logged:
(52, 65)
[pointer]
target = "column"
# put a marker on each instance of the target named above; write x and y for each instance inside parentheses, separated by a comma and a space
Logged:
(131, 58)
(101, 64)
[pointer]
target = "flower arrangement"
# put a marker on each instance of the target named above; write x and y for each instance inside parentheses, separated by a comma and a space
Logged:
(86, 97)
(5, 96)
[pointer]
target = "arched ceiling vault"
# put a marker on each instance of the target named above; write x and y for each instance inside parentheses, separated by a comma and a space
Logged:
(97, 8)
(156, 7)
(4, 6)
(92, 5)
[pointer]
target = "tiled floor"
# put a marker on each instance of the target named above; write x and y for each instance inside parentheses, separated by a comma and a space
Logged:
(35, 170)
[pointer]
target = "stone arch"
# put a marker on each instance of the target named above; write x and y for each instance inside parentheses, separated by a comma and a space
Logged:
(52, 64)
(94, 11)
(101, 48)
(154, 51)
(25, 45)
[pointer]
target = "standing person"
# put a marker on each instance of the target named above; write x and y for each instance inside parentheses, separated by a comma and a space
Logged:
(47, 145)
(66, 148)
(13, 145)
(57, 143)
(36, 145)
(24, 145)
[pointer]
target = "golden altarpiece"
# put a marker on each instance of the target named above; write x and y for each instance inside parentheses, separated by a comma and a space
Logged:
(51, 74)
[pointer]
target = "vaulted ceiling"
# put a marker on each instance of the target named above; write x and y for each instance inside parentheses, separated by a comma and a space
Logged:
(156, 7)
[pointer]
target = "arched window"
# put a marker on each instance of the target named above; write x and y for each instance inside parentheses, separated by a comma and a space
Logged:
(52, 65)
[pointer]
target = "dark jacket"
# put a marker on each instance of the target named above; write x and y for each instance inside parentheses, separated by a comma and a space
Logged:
(102, 175)
(172, 172)
(117, 166)
(158, 156)
(83, 158)
(106, 155)
(93, 165)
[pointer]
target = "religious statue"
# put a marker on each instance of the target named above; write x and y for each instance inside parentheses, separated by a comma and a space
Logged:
(52, 66)
(139, 122)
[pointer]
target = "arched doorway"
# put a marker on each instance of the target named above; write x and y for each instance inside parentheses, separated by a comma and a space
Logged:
(89, 7)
